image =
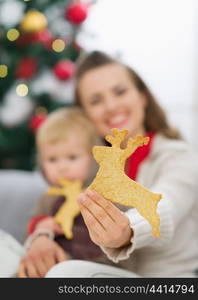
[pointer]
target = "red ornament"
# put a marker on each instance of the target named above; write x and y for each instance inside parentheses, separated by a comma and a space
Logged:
(44, 37)
(76, 13)
(25, 39)
(26, 68)
(36, 121)
(64, 69)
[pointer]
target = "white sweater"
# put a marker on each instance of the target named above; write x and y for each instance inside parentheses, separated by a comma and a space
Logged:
(172, 170)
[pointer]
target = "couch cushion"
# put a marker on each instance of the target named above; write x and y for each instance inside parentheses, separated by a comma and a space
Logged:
(19, 192)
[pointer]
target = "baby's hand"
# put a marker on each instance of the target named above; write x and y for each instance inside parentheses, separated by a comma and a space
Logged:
(49, 223)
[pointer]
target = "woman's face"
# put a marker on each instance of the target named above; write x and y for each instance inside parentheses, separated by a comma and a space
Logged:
(111, 100)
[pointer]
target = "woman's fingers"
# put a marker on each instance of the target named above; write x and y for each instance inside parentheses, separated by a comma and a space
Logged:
(98, 212)
(54, 255)
(114, 213)
(49, 260)
(42, 255)
(22, 271)
(40, 266)
(27, 269)
(107, 225)
(32, 271)
(60, 254)
(90, 220)
(96, 230)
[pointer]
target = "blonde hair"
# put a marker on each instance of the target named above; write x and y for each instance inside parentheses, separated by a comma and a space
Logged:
(64, 122)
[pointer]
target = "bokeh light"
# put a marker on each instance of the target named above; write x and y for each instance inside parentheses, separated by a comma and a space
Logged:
(3, 71)
(13, 34)
(58, 45)
(22, 90)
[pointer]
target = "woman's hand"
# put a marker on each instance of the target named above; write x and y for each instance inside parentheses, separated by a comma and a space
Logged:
(107, 225)
(50, 223)
(41, 256)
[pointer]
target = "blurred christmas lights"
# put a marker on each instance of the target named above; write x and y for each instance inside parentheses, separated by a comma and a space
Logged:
(13, 34)
(33, 21)
(3, 71)
(58, 45)
(22, 90)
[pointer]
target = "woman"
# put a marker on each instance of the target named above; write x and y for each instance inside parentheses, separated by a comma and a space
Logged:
(114, 96)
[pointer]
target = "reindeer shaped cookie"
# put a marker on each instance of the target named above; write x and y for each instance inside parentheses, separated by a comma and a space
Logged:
(69, 209)
(114, 185)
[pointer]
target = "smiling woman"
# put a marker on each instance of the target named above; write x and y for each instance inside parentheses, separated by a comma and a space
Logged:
(113, 95)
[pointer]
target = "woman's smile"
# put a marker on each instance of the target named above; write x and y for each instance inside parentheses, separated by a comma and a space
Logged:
(118, 120)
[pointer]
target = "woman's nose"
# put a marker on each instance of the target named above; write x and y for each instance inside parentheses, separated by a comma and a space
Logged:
(111, 104)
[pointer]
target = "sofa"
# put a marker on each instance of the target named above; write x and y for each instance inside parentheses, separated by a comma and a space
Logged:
(19, 192)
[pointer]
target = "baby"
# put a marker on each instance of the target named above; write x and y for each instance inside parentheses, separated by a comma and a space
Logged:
(64, 142)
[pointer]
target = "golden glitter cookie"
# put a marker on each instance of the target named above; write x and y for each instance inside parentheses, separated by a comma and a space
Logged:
(69, 209)
(114, 185)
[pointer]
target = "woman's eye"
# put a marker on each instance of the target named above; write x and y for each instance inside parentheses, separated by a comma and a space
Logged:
(73, 157)
(95, 101)
(121, 92)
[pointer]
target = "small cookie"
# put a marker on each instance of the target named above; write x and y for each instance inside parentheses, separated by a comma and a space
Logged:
(69, 209)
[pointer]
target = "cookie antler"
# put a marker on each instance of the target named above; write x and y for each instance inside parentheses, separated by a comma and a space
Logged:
(119, 136)
(133, 144)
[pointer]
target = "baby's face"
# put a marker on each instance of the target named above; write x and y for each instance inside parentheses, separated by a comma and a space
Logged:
(67, 159)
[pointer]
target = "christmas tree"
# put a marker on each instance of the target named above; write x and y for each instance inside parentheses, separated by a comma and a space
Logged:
(38, 50)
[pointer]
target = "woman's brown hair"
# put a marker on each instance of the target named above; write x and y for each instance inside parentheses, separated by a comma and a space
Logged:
(155, 118)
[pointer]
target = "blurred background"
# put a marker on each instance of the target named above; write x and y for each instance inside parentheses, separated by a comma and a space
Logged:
(40, 41)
